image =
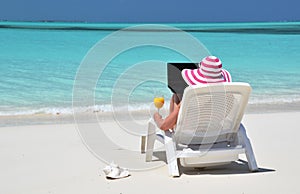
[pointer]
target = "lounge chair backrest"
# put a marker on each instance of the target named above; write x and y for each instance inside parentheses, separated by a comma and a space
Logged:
(211, 113)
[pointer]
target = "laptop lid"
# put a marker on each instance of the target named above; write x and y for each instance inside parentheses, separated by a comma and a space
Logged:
(175, 81)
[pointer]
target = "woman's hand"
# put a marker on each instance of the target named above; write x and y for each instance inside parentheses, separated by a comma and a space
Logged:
(157, 116)
(169, 121)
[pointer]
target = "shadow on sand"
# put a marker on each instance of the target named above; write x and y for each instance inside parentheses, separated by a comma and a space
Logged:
(233, 168)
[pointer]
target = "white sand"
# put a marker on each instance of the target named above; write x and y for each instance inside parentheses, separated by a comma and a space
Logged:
(53, 159)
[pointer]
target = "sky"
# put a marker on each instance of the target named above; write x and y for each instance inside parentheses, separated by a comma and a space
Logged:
(150, 10)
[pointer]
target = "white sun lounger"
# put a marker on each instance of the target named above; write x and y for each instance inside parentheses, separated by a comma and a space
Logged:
(208, 131)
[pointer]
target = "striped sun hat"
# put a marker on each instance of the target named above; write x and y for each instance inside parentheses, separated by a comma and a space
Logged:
(210, 71)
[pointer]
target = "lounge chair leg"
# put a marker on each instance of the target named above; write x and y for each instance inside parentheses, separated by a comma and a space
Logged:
(143, 144)
(171, 157)
(249, 152)
(150, 140)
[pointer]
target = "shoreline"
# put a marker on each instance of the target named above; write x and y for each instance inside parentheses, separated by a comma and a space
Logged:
(92, 116)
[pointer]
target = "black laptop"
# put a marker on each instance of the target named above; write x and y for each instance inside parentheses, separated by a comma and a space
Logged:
(175, 81)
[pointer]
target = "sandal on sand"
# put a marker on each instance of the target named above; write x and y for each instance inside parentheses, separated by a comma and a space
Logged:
(113, 171)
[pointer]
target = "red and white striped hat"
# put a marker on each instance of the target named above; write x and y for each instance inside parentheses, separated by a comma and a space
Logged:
(210, 71)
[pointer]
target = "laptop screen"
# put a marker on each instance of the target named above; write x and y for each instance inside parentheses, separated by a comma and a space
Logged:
(175, 81)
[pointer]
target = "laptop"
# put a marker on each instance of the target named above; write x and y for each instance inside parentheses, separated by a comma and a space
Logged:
(175, 81)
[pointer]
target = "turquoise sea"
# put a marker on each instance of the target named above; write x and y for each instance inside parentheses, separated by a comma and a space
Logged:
(39, 62)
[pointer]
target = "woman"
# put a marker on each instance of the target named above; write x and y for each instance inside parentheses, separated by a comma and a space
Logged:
(210, 71)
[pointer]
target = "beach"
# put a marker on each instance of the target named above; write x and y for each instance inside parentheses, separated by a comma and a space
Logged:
(52, 158)
(77, 96)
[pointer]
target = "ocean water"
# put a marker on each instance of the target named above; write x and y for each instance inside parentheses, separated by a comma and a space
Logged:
(39, 64)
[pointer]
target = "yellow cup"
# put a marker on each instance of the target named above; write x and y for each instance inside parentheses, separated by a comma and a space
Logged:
(159, 102)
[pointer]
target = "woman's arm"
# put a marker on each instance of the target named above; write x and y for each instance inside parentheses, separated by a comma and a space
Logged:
(169, 121)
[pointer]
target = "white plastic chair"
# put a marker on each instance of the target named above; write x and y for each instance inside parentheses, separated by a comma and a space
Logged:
(208, 131)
